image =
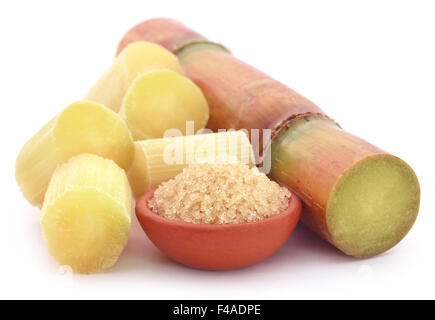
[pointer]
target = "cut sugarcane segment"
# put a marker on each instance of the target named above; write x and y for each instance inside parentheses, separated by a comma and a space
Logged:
(373, 206)
(158, 160)
(82, 127)
(361, 199)
(160, 100)
(86, 213)
(135, 59)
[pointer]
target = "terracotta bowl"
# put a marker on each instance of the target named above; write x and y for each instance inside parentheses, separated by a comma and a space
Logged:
(218, 246)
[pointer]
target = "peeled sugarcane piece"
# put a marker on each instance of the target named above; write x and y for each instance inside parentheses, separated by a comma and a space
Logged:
(82, 127)
(360, 198)
(163, 99)
(134, 60)
(86, 214)
(159, 160)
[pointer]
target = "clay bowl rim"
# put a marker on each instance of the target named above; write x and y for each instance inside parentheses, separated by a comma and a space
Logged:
(143, 209)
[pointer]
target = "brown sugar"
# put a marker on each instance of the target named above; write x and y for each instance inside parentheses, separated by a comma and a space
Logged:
(219, 194)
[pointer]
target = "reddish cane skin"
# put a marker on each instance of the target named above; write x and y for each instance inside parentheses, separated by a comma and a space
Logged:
(218, 247)
(169, 33)
(239, 96)
(253, 100)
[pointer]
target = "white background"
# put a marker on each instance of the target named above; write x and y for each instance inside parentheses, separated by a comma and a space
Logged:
(369, 64)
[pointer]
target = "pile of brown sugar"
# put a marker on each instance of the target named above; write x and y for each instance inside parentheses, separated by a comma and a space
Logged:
(219, 194)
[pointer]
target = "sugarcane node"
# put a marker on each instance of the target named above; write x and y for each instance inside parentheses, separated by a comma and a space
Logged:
(287, 123)
(186, 46)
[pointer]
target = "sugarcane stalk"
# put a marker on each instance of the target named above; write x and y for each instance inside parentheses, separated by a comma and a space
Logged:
(357, 196)
(239, 95)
